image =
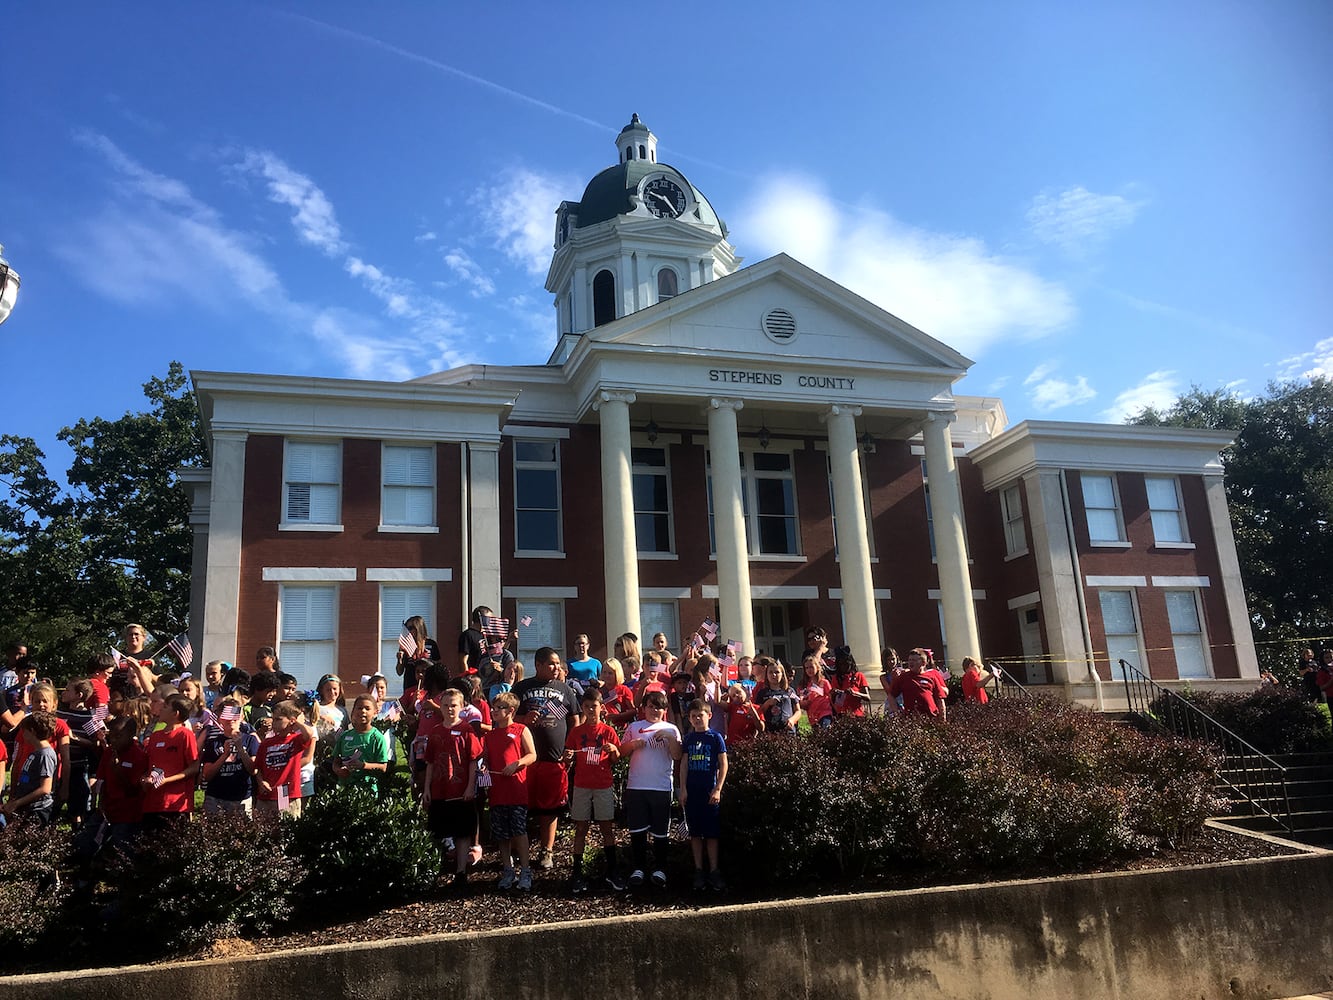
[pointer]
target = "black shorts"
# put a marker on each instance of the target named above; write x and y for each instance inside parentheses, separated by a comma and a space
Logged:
(454, 818)
(648, 811)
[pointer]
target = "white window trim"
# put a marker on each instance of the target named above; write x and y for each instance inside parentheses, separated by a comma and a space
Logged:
(748, 493)
(433, 528)
(540, 593)
(1178, 510)
(1204, 644)
(1181, 582)
(1021, 520)
(1115, 582)
(835, 594)
(409, 574)
(1121, 542)
(337, 612)
(935, 595)
(309, 574)
(286, 525)
(1142, 665)
(559, 551)
(654, 470)
(1025, 601)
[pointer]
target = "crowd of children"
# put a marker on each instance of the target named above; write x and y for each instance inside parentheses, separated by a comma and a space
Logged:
(124, 750)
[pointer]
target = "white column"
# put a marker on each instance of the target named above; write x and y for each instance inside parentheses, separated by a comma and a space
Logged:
(620, 558)
(481, 527)
(946, 508)
(1238, 616)
(858, 588)
(1058, 583)
(733, 557)
(199, 501)
(222, 584)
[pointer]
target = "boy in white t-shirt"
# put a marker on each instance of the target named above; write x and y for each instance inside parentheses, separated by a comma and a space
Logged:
(653, 746)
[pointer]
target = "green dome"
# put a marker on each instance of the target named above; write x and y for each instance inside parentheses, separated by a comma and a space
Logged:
(608, 194)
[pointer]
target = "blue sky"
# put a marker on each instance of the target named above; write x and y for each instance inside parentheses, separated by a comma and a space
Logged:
(1101, 206)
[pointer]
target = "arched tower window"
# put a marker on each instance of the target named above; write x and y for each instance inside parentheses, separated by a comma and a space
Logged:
(603, 298)
(643, 152)
(667, 287)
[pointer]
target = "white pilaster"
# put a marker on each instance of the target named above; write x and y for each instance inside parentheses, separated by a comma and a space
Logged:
(481, 528)
(222, 582)
(1233, 587)
(629, 287)
(946, 508)
(620, 548)
(580, 302)
(733, 558)
(858, 589)
(1058, 581)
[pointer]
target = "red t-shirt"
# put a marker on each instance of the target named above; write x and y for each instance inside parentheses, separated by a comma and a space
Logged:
(923, 692)
(617, 700)
(503, 747)
(815, 699)
(973, 691)
(592, 766)
(279, 763)
(171, 751)
(122, 784)
(101, 695)
(845, 702)
(21, 750)
(452, 753)
(741, 723)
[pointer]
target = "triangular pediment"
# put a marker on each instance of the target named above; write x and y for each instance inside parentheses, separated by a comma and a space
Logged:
(727, 317)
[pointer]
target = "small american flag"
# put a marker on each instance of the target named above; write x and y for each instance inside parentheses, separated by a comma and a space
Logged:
(525, 621)
(593, 755)
(407, 642)
(207, 718)
(117, 655)
(555, 709)
(391, 711)
(696, 642)
(483, 778)
(181, 650)
(231, 713)
(96, 721)
(156, 776)
(708, 629)
(496, 628)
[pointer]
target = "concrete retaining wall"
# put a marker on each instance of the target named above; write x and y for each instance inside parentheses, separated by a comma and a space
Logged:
(1252, 929)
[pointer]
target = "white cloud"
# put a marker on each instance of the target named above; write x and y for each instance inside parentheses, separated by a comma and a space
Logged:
(1314, 363)
(314, 221)
(1047, 392)
(167, 245)
(1157, 389)
(952, 287)
(519, 214)
(1077, 220)
(469, 272)
(426, 237)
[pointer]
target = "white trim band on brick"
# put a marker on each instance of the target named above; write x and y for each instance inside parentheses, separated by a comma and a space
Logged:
(1180, 581)
(977, 595)
(541, 593)
(309, 574)
(884, 594)
(1115, 581)
(759, 592)
(409, 574)
(533, 433)
(1025, 600)
(664, 593)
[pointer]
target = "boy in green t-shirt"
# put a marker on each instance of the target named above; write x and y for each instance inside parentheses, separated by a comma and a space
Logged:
(362, 752)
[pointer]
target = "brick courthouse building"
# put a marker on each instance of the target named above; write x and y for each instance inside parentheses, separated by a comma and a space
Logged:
(755, 444)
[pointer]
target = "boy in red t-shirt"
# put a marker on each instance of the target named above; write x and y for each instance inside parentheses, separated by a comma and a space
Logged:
(592, 748)
(451, 783)
(276, 768)
(744, 720)
(508, 750)
(120, 773)
(173, 765)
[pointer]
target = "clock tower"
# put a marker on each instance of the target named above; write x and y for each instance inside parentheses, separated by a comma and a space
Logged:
(641, 235)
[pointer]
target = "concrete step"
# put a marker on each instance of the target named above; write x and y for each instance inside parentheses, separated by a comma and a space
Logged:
(1304, 822)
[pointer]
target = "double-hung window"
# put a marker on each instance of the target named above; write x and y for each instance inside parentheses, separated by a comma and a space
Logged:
(1187, 636)
(397, 604)
(408, 489)
(308, 632)
(1106, 524)
(1166, 510)
(1121, 625)
(547, 628)
(768, 501)
(312, 483)
(652, 499)
(1011, 509)
(537, 496)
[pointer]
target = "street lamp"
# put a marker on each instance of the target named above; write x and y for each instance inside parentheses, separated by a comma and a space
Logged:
(9, 287)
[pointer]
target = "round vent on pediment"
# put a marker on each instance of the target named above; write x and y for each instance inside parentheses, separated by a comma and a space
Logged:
(779, 326)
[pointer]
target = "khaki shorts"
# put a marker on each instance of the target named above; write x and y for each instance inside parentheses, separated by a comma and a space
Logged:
(592, 805)
(269, 809)
(226, 807)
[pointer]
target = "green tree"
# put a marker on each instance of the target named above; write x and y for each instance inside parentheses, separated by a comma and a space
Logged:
(1280, 491)
(114, 543)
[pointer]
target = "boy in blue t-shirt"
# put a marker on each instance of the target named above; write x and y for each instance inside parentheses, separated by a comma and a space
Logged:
(703, 771)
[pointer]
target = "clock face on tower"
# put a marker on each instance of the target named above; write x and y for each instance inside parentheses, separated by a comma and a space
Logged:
(664, 197)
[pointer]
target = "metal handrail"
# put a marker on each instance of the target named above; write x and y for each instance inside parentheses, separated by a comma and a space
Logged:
(1006, 686)
(1250, 772)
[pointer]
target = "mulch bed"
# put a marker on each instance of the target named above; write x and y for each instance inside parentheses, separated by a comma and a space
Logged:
(484, 908)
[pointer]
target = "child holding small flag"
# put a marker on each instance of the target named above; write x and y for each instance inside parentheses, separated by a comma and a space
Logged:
(120, 775)
(508, 751)
(451, 783)
(173, 766)
(276, 767)
(227, 783)
(361, 753)
(592, 747)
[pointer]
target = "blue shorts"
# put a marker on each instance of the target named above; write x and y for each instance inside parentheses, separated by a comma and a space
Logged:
(702, 817)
